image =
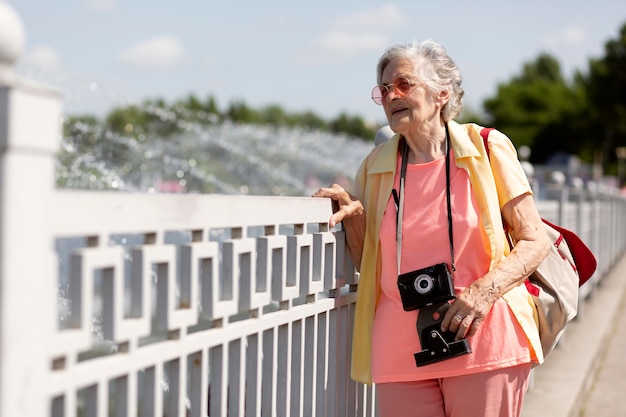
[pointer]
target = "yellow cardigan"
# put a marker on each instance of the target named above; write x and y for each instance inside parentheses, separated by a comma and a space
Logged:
(495, 180)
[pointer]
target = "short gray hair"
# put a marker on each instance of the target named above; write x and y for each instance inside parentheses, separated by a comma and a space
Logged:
(434, 67)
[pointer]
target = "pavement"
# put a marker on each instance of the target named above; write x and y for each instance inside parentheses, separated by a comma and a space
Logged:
(585, 376)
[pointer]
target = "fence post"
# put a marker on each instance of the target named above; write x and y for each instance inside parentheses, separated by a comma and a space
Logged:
(557, 189)
(577, 196)
(29, 130)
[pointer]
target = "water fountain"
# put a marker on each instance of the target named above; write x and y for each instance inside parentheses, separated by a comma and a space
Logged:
(222, 158)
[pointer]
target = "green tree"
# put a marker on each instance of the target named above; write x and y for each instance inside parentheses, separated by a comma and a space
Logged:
(311, 120)
(142, 121)
(126, 120)
(240, 112)
(192, 109)
(193, 103)
(532, 103)
(606, 89)
(84, 131)
(159, 117)
(276, 116)
(353, 126)
(568, 132)
(212, 109)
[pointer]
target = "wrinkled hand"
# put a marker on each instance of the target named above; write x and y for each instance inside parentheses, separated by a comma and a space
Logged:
(345, 206)
(469, 309)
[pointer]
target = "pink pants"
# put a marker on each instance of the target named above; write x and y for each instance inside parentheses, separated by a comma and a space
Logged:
(498, 393)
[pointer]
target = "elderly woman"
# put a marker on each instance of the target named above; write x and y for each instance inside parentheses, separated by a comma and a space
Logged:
(429, 207)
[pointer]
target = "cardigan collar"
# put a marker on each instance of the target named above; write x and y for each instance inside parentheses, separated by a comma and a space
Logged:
(461, 144)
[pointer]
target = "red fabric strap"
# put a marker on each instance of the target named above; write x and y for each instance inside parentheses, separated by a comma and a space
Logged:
(485, 134)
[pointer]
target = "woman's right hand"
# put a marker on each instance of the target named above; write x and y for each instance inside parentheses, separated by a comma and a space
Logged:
(350, 211)
(345, 206)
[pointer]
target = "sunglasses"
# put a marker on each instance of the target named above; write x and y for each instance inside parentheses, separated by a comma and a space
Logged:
(401, 88)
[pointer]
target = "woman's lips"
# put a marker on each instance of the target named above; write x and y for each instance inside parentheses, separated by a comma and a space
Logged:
(396, 111)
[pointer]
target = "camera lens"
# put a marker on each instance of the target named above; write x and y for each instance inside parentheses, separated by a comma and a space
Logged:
(423, 284)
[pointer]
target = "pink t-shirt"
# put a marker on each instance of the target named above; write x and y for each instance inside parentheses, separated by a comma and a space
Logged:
(500, 341)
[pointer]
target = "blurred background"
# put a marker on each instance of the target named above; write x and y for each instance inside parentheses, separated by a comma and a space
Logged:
(244, 97)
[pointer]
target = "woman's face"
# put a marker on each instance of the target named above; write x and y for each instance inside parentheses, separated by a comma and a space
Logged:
(416, 111)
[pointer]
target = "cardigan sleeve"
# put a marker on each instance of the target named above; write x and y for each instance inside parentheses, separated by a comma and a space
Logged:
(511, 180)
(359, 181)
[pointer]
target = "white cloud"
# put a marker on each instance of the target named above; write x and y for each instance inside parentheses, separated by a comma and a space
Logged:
(387, 16)
(350, 44)
(570, 36)
(573, 36)
(43, 58)
(158, 53)
(356, 33)
(102, 5)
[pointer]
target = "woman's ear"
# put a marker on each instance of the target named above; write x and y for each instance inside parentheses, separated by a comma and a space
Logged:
(443, 96)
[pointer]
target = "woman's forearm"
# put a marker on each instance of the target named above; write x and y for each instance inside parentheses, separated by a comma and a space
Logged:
(355, 237)
(531, 247)
(515, 268)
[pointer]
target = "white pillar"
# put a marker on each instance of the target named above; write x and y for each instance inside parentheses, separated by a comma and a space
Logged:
(29, 132)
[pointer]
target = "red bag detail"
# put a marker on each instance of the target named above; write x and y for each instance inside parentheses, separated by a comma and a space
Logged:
(584, 259)
(531, 288)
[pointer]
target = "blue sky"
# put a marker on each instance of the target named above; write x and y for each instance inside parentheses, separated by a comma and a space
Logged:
(316, 55)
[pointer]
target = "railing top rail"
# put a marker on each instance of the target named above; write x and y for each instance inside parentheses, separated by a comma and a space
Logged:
(81, 213)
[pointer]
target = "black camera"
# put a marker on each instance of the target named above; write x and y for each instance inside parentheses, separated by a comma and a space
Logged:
(425, 287)
(437, 345)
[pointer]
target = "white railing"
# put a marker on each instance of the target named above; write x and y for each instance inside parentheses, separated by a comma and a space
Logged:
(116, 304)
(597, 213)
(243, 300)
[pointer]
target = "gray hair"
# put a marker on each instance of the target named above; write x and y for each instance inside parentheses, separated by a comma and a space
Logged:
(434, 67)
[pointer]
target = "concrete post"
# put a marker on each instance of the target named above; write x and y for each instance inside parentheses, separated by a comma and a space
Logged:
(29, 130)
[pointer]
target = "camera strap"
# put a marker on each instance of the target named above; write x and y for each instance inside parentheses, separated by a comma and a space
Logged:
(400, 200)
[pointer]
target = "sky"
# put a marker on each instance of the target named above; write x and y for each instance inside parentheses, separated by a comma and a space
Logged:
(315, 56)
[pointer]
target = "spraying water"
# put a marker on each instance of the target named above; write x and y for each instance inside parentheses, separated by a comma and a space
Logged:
(209, 158)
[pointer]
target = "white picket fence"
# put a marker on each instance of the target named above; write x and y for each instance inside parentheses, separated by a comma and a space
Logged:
(115, 304)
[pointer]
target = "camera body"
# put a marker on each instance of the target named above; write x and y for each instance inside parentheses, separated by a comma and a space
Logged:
(437, 345)
(425, 287)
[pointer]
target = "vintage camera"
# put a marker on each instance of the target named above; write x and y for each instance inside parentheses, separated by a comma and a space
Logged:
(426, 286)
(437, 345)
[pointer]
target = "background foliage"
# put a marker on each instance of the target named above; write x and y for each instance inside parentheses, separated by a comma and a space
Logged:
(584, 116)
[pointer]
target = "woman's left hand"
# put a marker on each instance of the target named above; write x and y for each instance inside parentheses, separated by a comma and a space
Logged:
(469, 310)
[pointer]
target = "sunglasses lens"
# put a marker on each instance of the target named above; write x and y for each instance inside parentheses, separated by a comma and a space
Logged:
(401, 86)
(378, 93)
